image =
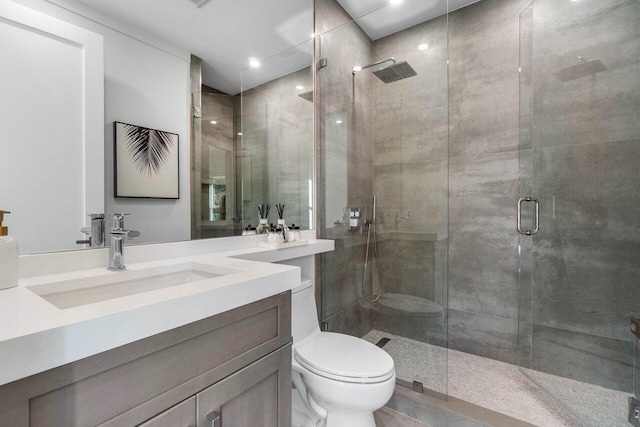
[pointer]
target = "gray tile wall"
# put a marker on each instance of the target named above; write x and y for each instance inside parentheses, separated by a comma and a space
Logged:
(221, 136)
(410, 135)
(410, 180)
(583, 166)
(577, 148)
(277, 127)
(483, 178)
(343, 183)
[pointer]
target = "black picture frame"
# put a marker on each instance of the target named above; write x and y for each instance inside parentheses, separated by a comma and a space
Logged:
(146, 162)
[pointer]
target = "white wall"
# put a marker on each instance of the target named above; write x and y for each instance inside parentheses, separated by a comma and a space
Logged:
(147, 84)
(52, 158)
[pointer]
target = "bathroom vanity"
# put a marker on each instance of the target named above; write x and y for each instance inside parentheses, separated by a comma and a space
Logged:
(205, 351)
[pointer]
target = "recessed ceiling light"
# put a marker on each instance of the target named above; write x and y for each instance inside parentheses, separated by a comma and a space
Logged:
(339, 122)
(299, 87)
(213, 122)
(394, 2)
(423, 46)
(239, 133)
(254, 63)
(357, 68)
(199, 3)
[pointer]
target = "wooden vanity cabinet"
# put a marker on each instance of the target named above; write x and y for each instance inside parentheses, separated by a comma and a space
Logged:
(236, 365)
(181, 415)
(250, 397)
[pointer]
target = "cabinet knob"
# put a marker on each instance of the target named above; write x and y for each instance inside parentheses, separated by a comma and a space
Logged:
(214, 417)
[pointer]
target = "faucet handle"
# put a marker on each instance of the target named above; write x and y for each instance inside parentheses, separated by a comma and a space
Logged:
(120, 215)
(132, 234)
(117, 220)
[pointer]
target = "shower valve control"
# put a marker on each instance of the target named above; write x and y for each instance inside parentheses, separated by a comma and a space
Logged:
(354, 219)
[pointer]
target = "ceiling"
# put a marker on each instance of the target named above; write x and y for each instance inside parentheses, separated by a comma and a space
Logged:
(226, 33)
(379, 18)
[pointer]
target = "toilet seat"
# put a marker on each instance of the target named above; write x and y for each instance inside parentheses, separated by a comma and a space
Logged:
(344, 358)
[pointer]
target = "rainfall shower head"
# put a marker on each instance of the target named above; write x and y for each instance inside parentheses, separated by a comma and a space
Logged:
(306, 95)
(582, 69)
(392, 73)
(398, 71)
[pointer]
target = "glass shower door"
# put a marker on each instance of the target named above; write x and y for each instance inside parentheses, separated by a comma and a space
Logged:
(383, 118)
(580, 157)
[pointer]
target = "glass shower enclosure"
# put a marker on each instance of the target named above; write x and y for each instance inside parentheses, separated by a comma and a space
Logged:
(383, 135)
(580, 164)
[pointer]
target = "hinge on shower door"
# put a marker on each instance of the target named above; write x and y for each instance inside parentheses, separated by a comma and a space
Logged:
(634, 411)
(322, 63)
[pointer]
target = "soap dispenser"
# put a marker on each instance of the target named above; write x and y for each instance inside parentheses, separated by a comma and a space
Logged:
(8, 257)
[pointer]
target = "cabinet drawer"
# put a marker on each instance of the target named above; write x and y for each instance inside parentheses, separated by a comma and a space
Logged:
(181, 415)
(258, 395)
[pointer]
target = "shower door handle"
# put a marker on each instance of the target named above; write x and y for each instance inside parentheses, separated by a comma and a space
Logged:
(537, 218)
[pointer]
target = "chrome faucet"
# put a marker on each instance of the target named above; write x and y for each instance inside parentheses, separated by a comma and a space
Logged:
(95, 232)
(116, 247)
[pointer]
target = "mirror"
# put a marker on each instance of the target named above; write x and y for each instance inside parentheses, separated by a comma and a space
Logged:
(79, 66)
(277, 119)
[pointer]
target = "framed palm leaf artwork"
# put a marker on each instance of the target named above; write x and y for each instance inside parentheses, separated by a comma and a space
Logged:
(146, 162)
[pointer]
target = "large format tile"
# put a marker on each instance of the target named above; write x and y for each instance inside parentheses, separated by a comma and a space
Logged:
(587, 358)
(587, 107)
(430, 414)
(387, 187)
(342, 276)
(487, 336)
(586, 270)
(417, 105)
(483, 77)
(424, 196)
(408, 267)
(483, 243)
(386, 417)
(427, 330)
(355, 320)
(350, 101)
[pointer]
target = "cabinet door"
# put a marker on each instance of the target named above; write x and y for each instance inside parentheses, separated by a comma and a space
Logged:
(257, 396)
(181, 415)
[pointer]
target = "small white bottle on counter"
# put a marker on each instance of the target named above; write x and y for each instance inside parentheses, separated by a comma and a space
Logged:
(8, 257)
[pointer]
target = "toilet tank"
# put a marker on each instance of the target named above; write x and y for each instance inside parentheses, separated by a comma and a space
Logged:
(304, 315)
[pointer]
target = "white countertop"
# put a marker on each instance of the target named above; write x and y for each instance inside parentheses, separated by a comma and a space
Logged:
(36, 336)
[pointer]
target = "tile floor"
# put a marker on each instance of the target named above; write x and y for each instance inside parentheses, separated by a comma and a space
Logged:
(503, 387)
(387, 417)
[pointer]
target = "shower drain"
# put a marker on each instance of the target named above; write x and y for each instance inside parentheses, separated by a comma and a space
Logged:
(383, 342)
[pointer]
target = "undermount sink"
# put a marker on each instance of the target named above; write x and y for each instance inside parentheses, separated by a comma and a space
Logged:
(77, 292)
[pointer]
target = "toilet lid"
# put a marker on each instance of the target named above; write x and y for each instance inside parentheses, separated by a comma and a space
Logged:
(344, 358)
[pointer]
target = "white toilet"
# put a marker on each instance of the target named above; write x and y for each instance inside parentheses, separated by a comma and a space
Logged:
(338, 380)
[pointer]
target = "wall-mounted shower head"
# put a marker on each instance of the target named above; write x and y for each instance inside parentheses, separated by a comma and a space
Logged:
(392, 73)
(398, 71)
(308, 95)
(582, 69)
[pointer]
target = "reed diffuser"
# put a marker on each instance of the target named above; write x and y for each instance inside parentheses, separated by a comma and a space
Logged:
(263, 225)
(282, 224)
